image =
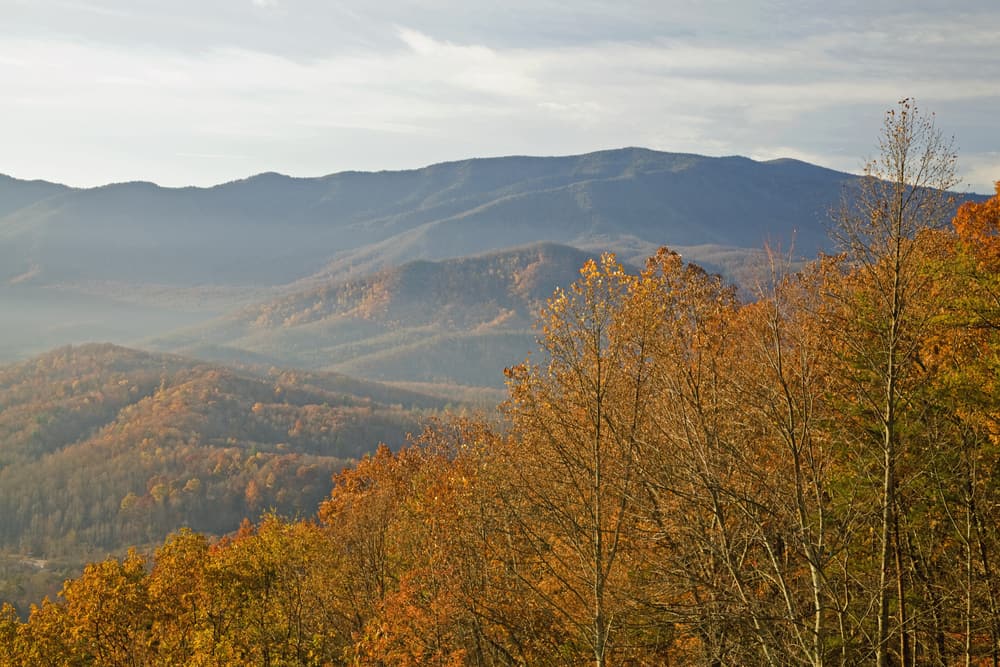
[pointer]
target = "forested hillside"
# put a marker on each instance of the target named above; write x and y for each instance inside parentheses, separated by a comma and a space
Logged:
(809, 477)
(452, 322)
(105, 447)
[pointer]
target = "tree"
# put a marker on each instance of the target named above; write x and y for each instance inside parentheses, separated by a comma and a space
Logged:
(269, 587)
(361, 516)
(703, 499)
(9, 625)
(964, 355)
(573, 456)
(45, 638)
(794, 515)
(179, 601)
(460, 599)
(879, 317)
(107, 612)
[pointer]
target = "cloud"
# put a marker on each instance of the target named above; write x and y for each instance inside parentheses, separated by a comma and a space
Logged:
(91, 8)
(980, 171)
(412, 97)
(467, 67)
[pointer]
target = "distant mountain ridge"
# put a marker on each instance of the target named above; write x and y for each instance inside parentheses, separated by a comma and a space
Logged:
(17, 194)
(271, 229)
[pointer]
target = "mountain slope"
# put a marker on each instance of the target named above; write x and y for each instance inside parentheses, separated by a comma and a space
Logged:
(102, 446)
(457, 321)
(17, 194)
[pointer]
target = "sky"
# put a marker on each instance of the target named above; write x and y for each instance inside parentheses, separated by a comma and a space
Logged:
(199, 92)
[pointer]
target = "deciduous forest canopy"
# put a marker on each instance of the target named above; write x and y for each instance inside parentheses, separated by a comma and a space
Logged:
(685, 476)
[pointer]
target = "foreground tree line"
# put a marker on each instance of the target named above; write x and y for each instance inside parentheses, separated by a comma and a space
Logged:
(810, 477)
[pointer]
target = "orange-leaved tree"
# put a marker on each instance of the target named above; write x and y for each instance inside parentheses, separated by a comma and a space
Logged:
(576, 425)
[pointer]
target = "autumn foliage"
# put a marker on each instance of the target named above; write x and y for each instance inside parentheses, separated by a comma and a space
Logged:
(681, 477)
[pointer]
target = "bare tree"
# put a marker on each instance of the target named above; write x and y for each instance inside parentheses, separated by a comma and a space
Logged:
(903, 191)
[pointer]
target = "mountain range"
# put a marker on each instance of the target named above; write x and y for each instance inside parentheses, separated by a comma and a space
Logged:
(430, 276)
(272, 229)
(196, 269)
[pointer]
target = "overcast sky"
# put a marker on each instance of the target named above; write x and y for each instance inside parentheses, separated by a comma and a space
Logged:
(205, 91)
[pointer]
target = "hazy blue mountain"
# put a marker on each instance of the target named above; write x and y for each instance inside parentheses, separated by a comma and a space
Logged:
(17, 194)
